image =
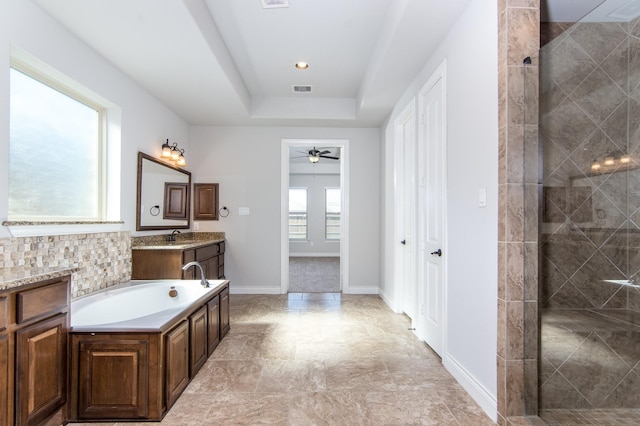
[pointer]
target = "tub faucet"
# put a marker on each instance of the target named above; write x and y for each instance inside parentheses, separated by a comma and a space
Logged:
(172, 236)
(203, 281)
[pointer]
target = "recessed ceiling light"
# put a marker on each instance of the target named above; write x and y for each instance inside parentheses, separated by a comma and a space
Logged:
(302, 65)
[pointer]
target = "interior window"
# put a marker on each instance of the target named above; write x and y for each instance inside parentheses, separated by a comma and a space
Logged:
(332, 214)
(298, 214)
(56, 158)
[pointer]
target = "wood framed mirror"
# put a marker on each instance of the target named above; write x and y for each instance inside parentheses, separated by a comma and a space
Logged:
(154, 200)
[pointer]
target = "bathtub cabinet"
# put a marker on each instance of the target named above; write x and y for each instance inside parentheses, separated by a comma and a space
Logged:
(177, 359)
(213, 324)
(198, 340)
(166, 263)
(114, 377)
(129, 375)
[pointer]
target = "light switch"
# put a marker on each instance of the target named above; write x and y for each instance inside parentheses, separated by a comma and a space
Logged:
(482, 197)
(243, 211)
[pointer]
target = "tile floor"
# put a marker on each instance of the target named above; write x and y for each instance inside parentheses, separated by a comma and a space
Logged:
(321, 359)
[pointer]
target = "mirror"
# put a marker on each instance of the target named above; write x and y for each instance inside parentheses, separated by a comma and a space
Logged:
(163, 198)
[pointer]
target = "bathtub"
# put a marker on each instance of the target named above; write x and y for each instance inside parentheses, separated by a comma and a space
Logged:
(139, 331)
(139, 305)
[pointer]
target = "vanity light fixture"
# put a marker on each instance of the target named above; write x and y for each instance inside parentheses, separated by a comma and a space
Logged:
(613, 161)
(302, 65)
(173, 153)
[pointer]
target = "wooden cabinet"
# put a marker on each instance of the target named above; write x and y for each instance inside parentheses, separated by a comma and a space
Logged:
(34, 327)
(224, 312)
(198, 340)
(149, 264)
(4, 379)
(205, 201)
(213, 324)
(177, 359)
(114, 377)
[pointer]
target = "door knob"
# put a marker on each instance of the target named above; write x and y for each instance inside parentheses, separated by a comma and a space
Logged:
(437, 253)
(403, 242)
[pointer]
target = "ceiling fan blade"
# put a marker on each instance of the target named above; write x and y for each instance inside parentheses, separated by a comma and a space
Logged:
(329, 156)
(326, 151)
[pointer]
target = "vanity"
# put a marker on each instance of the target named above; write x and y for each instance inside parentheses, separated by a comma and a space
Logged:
(156, 258)
(34, 328)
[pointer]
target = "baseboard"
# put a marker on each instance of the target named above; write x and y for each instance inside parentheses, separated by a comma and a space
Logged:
(363, 290)
(387, 300)
(314, 254)
(254, 290)
(476, 390)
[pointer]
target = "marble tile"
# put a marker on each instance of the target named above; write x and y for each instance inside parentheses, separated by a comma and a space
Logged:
(359, 365)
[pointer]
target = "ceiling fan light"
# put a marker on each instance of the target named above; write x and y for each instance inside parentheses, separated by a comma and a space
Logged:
(314, 158)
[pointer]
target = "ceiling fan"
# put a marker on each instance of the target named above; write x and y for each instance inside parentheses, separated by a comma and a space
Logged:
(314, 155)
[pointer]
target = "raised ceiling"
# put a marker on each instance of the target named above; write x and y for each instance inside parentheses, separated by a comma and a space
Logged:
(231, 62)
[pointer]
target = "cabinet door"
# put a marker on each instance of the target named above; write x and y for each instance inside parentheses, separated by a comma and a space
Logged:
(4, 379)
(41, 370)
(113, 379)
(213, 324)
(198, 339)
(224, 312)
(177, 362)
(205, 201)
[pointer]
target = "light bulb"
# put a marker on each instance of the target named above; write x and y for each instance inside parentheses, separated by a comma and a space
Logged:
(609, 161)
(175, 154)
(625, 159)
(181, 161)
(314, 158)
(595, 166)
(166, 149)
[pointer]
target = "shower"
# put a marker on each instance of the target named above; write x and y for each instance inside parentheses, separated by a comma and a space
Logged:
(589, 256)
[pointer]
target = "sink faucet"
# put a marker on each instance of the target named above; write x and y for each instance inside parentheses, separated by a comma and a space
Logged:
(172, 236)
(203, 281)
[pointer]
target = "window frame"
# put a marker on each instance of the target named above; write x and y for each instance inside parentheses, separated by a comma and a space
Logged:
(47, 76)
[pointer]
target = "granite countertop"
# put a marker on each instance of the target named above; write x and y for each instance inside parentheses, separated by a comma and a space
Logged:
(187, 240)
(19, 276)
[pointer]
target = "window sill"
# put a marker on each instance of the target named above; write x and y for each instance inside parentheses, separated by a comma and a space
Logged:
(34, 229)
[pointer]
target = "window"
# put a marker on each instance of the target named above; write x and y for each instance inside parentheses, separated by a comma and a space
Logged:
(332, 214)
(297, 213)
(56, 156)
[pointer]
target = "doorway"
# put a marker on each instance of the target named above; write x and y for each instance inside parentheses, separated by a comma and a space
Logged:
(314, 182)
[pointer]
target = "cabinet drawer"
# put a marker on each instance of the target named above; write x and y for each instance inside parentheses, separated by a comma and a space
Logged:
(42, 301)
(207, 252)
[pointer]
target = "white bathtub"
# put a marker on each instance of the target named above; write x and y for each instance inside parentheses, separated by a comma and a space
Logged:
(140, 305)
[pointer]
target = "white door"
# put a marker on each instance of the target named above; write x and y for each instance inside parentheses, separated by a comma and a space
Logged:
(431, 211)
(405, 232)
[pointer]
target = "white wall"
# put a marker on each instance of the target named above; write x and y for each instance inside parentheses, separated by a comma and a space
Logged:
(316, 243)
(471, 50)
(245, 161)
(145, 124)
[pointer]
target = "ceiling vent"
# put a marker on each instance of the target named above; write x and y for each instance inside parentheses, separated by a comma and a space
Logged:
(302, 89)
(270, 4)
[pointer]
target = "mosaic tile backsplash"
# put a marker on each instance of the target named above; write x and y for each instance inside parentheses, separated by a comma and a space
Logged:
(101, 260)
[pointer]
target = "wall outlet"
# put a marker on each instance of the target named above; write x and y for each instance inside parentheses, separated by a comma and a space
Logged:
(196, 226)
(243, 211)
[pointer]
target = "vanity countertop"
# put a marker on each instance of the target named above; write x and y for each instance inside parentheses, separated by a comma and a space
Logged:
(19, 276)
(183, 241)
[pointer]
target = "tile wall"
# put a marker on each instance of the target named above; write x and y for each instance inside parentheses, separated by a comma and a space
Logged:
(517, 357)
(101, 259)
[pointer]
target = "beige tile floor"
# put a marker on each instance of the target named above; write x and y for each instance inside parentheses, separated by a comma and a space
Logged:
(321, 359)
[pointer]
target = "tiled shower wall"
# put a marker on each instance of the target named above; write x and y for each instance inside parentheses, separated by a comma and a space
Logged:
(101, 259)
(517, 357)
(590, 109)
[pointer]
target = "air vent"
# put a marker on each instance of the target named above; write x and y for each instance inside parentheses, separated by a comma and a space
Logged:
(302, 89)
(270, 4)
